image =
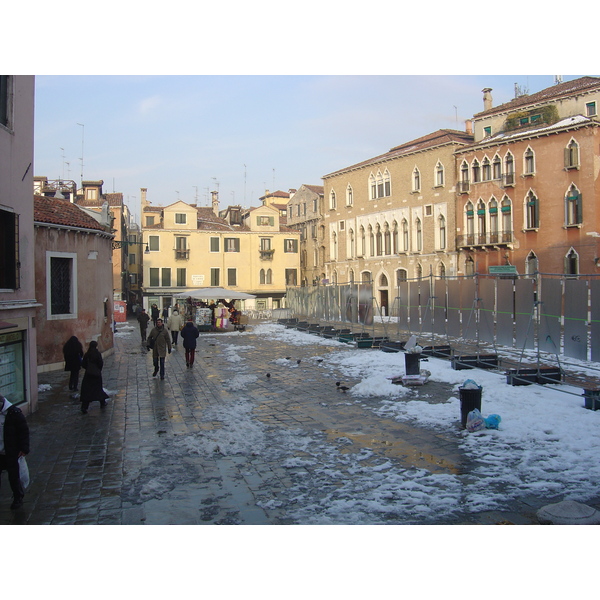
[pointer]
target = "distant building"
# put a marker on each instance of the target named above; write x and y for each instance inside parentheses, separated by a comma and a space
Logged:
(18, 333)
(73, 279)
(247, 250)
(304, 214)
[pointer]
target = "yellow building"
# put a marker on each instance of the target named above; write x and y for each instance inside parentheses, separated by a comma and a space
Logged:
(247, 250)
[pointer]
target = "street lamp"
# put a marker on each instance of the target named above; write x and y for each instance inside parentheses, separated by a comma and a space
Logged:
(117, 244)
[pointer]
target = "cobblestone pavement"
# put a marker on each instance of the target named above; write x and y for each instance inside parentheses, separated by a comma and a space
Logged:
(167, 452)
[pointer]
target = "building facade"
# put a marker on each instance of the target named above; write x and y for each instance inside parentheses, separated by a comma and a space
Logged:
(391, 218)
(18, 334)
(528, 188)
(304, 214)
(193, 247)
(73, 280)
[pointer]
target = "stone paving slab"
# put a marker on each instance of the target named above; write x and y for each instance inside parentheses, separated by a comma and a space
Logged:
(149, 458)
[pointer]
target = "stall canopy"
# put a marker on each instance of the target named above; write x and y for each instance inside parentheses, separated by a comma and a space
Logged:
(213, 293)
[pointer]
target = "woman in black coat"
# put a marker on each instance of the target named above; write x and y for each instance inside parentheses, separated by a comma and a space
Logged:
(91, 386)
(73, 353)
(189, 334)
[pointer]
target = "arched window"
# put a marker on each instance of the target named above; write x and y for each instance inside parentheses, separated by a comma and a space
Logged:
(481, 222)
(573, 207)
(442, 232)
(372, 187)
(334, 254)
(529, 162)
(269, 278)
(405, 245)
(371, 241)
(497, 167)
(349, 196)
(506, 210)
(464, 172)
(401, 275)
(532, 211)
(419, 232)
(262, 276)
(363, 241)
(572, 155)
(383, 280)
(379, 185)
(439, 174)
(442, 270)
(351, 275)
(531, 264)
(332, 200)
(493, 210)
(365, 277)
(470, 223)
(509, 169)
(419, 271)
(486, 169)
(379, 241)
(387, 240)
(572, 263)
(476, 169)
(352, 244)
(416, 180)
(387, 183)
(395, 238)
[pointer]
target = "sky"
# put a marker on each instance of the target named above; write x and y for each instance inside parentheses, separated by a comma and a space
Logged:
(184, 136)
(242, 98)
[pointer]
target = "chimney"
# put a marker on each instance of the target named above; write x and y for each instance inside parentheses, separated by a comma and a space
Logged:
(487, 98)
(469, 126)
(215, 202)
(143, 200)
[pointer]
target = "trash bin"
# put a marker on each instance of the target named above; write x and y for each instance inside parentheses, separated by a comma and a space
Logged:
(470, 398)
(411, 363)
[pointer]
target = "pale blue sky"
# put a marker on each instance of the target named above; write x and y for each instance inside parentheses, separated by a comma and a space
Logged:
(173, 134)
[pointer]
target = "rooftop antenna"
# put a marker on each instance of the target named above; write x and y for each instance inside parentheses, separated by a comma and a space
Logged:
(456, 115)
(63, 163)
(273, 179)
(557, 79)
(82, 132)
(196, 196)
(244, 185)
(216, 183)
(177, 194)
(207, 194)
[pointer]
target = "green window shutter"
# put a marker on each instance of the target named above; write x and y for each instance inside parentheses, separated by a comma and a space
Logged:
(271, 221)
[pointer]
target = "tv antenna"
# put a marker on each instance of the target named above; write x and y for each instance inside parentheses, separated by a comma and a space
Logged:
(82, 137)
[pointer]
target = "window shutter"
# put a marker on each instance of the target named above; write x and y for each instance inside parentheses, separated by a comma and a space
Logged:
(271, 221)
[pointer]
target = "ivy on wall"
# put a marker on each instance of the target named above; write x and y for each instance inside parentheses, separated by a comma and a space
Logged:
(526, 118)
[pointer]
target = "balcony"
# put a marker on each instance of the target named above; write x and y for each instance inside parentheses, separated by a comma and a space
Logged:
(266, 254)
(182, 254)
(497, 238)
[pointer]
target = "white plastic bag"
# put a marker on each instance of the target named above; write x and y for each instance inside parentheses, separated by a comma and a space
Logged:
(475, 421)
(23, 472)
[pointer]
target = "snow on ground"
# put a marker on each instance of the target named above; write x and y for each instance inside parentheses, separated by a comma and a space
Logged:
(547, 443)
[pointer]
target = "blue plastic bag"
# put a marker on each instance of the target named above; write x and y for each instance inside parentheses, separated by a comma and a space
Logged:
(492, 421)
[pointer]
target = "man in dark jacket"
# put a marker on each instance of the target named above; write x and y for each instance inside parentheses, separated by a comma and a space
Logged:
(14, 442)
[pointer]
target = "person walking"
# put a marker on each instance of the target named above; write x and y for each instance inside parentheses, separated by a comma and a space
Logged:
(189, 335)
(174, 325)
(73, 354)
(143, 319)
(91, 385)
(14, 443)
(160, 342)
(154, 313)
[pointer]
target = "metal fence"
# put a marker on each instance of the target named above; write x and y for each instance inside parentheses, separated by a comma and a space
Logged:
(548, 312)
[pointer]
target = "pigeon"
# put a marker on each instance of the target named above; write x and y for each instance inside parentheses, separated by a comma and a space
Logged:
(344, 388)
(299, 361)
(288, 357)
(319, 360)
(338, 383)
(268, 375)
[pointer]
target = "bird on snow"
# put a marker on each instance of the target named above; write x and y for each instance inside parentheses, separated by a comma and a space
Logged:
(344, 388)
(288, 357)
(338, 383)
(299, 361)
(319, 360)
(268, 375)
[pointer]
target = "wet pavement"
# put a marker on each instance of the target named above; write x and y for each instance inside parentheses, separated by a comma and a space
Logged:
(225, 443)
